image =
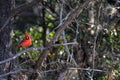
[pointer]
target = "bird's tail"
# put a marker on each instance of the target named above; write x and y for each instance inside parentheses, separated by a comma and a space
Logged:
(17, 46)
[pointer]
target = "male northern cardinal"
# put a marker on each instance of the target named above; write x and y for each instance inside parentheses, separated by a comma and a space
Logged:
(25, 42)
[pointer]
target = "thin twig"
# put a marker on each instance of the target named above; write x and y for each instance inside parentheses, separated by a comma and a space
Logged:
(51, 70)
(64, 38)
(87, 69)
(94, 48)
(63, 44)
(15, 72)
(6, 23)
(67, 50)
(77, 26)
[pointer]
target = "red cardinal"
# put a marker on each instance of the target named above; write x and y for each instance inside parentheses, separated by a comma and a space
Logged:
(25, 42)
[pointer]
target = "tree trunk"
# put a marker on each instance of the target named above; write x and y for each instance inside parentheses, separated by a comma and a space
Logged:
(5, 35)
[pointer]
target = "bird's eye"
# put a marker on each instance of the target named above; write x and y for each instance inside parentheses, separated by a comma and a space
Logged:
(27, 38)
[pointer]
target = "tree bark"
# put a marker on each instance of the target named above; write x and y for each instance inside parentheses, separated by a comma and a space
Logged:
(5, 35)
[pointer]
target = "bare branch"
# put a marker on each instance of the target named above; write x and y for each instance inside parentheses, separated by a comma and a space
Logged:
(15, 72)
(94, 48)
(20, 53)
(66, 21)
(25, 6)
(32, 48)
(20, 9)
(6, 23)
(87, 69)
(64, 38)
